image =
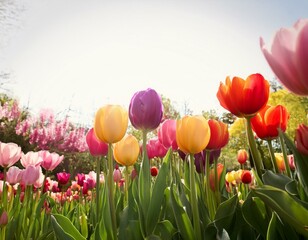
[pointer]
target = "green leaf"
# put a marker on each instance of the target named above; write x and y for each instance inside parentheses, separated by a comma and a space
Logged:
(255, 214)
(158, 195)
(275, 228)
(301, 162)
(84, 225)
(182, 220)
(165, 229)
(286, 207)
(64, 229)
(275, 180)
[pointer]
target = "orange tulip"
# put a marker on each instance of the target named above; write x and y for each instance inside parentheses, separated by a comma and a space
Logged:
(244, 98)
(219, 135)
(266, 123)
(192, 134)
(220, 168)
(110, 123)
(242, 156)
(126, 151)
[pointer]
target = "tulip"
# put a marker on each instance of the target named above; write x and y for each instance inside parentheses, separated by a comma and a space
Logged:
(146, 110)
(110, 123)
(50, 160)
(246, 177)
(9, 154)
(280, 162)
(244, 98)
(155, 149)
(117, 175)
(301, 139)
(80, 178)
(13, 175)
(192, 134)
(291, 162)
(126, 151)
(4, 219)
(166, 134)
(31, 158)
(219, 135)
(63, 178)
(242, 156)
(288, 57)
(96, 147)
(268, 120)
(220, 168)
(154, 171)
(30, 175)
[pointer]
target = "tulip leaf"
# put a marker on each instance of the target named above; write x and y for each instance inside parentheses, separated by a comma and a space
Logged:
(84, 225)
(290, 210)
(255, 214)
(182, 220)
(275, 180)
(301, 162)
(157, 198)
(165, 229)
(64, 229)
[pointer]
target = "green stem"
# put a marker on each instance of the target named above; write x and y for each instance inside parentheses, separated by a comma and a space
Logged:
(217, 192)
(98, 171)
(209, 196)
(4, 190)
(273, 158)
(193, 198)
(126, 185)
(285, 157)
(33, 215)
(111, 191)
(253, 148)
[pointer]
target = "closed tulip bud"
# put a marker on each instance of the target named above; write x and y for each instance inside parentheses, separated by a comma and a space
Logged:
(146, 110)
(63, 178)
(280, 162)
(30, 175)
(192, 134)
(301, 139)
(268, 120)
(219, 135)
(126, 151)
(288, 57)
(4, 219)
(154, 171)
(246, 177)
(242, 156)
(220, 168)
(110, 123)
(291, 162)
(230, 177)
(117, 175)
(96, 147)
(244, 98)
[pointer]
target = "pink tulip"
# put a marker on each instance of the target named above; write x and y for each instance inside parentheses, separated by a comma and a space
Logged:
(96, 147)
(50, 160)
(301, 139)
(166, 134)
(155, 148)
(13, 175)
(30, 175)
(288, 57)
(9, 154)
(31, 158)
(117, 175)
(291, 162)
(39, 182)
(4, 219)
(63, 178)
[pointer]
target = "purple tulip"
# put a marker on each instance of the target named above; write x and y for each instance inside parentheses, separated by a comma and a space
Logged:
(146, 110)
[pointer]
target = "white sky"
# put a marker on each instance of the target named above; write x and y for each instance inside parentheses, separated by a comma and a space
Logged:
(84, 54)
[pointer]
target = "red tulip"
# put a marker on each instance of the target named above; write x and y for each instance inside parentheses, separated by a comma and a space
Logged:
(266, 123)
(167, 134)
(301, 139)
(244, 98)
(288, 57)
(220, 168)
(219, 135)
(96, 147)
(154, 171)
(246, 177)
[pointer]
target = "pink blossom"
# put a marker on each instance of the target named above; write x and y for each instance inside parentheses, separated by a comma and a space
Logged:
(288, 57)
(9, 154)
(50, 160)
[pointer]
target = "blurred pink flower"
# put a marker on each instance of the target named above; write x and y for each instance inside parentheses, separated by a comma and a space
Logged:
(9, 154)
(39, 182)
(63, 178)
(13, 175)
(166, 134)
(96, 147)
(291, 162)
(4, 219)
(288, 57)
(50, 160)
(31, 158)
(155, 148)
(30, 175)
(301, 139)
(117, 175)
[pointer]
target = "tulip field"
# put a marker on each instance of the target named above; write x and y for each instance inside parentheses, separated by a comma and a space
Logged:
(169, 181)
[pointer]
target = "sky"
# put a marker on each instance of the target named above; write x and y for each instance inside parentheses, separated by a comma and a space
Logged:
(75, 56)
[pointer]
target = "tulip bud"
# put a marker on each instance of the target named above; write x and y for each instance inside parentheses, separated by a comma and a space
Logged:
(154, 171)
(291, 162)
(4, 219)
(242, 156)
(246, 177)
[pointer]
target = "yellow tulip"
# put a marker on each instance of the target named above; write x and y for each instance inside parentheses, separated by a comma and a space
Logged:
(126, 151)
(192, 134)
(110, 123)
